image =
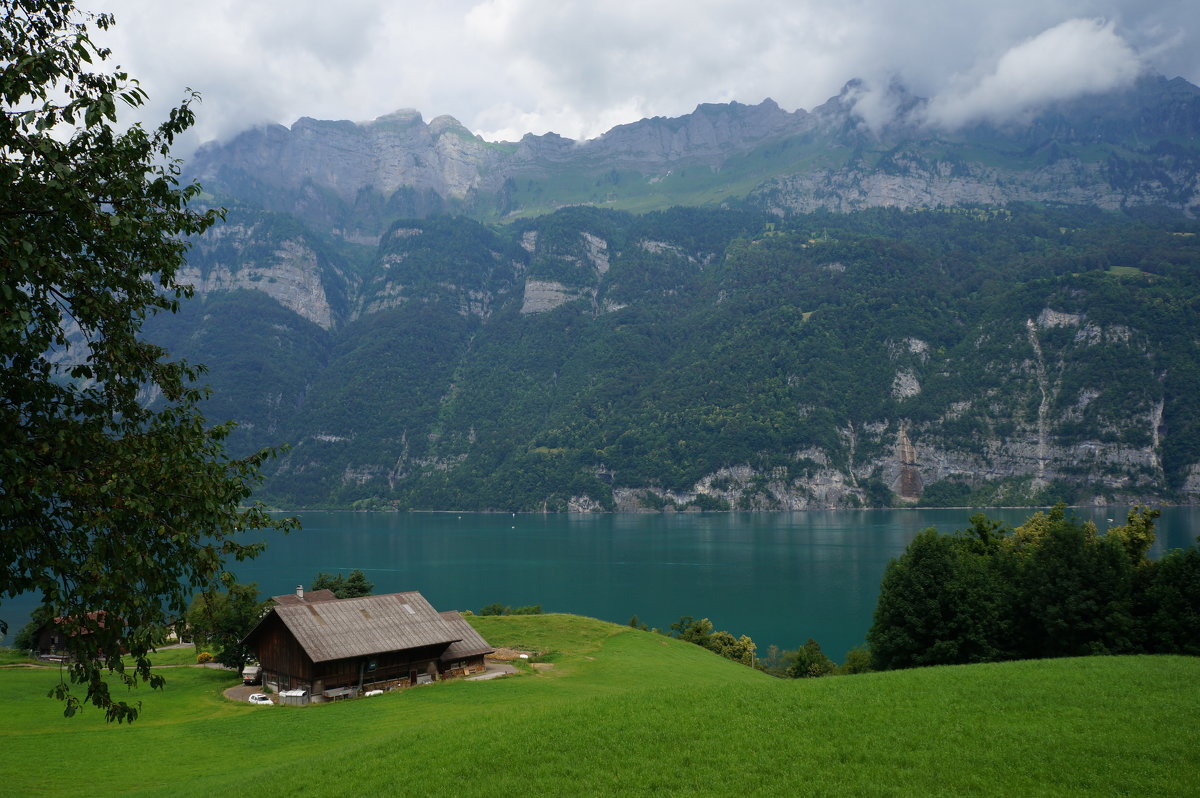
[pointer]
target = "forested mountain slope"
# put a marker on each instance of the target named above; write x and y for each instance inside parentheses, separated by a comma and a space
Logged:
(810, 310)
(723, 357)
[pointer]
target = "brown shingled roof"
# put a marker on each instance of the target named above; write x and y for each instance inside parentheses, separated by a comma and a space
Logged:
(472, 643)
(355, 627)
(309, 597)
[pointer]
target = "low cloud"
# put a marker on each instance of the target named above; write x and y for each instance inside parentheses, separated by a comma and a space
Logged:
(1072, 59)
(576, 67)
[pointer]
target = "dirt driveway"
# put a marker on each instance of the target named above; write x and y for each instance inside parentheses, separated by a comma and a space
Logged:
(241, 692)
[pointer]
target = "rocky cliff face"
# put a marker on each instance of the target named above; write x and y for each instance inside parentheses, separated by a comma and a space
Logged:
(246, 256)
(914, 183)
(396, 150)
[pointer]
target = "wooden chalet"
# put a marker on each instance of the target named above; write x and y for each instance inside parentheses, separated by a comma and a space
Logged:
(52, 639)
(466, 656)
(343, 647)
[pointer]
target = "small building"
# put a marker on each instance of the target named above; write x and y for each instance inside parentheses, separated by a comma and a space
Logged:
(343, 647)
(467, 655)
(51, 640)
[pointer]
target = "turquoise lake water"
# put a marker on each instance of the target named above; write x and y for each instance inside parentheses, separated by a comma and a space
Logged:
(778, 577)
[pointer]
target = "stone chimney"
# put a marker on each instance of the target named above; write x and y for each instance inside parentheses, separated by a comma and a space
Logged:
(300, 592)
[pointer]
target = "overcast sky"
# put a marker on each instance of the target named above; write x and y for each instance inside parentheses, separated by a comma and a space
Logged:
(507, 67)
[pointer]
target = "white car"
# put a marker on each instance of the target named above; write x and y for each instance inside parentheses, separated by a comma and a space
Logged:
(259, 698)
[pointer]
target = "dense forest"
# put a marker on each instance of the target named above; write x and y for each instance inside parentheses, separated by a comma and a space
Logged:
(712, 358)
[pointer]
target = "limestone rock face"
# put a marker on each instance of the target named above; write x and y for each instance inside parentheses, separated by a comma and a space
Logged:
(545, 295)
(707, 134)
(393, 151)
(1072, 182)
(289, 272)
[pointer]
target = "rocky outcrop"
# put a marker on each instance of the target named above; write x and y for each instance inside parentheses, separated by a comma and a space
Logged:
(394, 151)
(545, 295)
(907, 469)
(908, 484)
(290, 273)
(707, 135)
(1070, 180)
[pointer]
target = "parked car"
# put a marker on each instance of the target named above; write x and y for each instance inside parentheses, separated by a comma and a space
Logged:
(260, 698)
(252, 674)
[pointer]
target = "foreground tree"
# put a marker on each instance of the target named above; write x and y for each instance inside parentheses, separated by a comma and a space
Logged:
(116, 500)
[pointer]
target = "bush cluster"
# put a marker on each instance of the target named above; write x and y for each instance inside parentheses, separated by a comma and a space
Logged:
(503, 609)
(1053, 587)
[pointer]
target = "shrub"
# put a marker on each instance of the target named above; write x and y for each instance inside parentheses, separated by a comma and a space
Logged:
(203, 657)
(503, 609)
(810, 662)
(858, 660)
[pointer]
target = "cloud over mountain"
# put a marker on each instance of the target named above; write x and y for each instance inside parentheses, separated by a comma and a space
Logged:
(506, 67)
(1074, 58)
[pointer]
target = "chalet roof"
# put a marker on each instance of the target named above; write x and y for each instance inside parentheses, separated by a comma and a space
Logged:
(355, 627)
(472, 643)
(310, 597)
(71, 625)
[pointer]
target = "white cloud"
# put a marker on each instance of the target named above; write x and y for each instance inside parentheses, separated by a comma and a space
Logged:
(577, 67)
(1074, 58)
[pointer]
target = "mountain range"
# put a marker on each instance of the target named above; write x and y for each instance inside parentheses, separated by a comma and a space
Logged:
(1132, 147)
(743, 307)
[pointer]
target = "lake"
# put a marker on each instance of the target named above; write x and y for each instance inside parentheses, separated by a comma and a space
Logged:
(778, 577)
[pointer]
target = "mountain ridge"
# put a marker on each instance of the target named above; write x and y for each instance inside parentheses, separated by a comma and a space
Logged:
(1135, 146)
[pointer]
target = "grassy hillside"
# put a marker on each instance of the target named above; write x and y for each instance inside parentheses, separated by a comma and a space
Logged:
(627, 712)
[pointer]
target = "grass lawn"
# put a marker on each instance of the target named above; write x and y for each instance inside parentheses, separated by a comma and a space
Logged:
(623, 712)
(165, 657)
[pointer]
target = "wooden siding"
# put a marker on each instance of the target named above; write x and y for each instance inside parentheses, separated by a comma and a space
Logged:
(282, 658)
(392, 668)
(463, 667)
(286, 665)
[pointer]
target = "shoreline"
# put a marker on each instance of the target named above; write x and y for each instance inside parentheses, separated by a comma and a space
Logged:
(1030, 507)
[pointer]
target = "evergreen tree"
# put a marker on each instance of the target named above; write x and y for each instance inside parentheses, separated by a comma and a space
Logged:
(356, 585)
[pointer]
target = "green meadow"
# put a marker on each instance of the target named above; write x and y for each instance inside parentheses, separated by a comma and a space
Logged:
(609, 710)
